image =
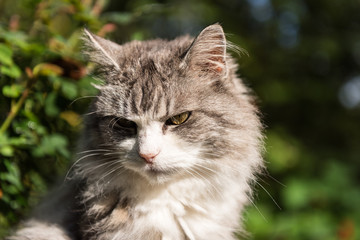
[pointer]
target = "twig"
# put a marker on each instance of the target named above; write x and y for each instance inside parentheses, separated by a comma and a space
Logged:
(16, 108)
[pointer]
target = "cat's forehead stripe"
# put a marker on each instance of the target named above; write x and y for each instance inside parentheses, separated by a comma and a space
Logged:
(145, 98)
(134, 106)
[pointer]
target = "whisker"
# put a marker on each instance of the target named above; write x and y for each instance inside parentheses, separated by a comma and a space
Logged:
(114, 120)
(108, 162)
(112, 171)
(208, 181)
(256, 207)
(268, 193)
(277, 181)
(80, 98)
(95, 150)
(77, 161)
(207, 168)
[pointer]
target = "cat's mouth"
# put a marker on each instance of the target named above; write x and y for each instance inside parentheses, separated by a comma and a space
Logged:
(153, 170)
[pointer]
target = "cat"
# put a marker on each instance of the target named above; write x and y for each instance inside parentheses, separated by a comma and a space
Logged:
(170, 149)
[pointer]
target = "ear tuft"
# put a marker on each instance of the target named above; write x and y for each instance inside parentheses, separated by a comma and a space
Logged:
(208, 51)
(100, 51)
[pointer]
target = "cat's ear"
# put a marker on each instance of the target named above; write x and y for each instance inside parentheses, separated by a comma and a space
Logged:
(101, 51)
(208, 51)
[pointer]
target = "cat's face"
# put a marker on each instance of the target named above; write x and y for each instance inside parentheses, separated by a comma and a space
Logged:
(167, 109)
(163, 130)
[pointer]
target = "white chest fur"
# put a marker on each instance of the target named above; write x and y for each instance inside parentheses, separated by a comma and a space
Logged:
(181, 212)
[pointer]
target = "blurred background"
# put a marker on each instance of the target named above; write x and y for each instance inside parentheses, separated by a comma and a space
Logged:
(303, 64)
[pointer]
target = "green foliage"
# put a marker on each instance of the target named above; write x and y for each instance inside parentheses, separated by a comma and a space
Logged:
(42, 73)
(302, 53)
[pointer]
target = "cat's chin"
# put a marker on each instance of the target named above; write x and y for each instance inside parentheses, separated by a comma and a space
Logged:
(149, 169)
(157, 175)
(154, 174)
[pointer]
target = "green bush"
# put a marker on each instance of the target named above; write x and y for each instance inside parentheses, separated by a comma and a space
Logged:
(44, 92)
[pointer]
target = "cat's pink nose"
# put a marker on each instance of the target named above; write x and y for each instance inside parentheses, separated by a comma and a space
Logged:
(148, 157)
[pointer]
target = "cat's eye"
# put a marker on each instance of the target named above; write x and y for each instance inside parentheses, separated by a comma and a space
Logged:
(178, 119)
(122, 123)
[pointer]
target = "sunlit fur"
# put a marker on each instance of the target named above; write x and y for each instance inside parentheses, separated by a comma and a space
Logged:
(200, 180)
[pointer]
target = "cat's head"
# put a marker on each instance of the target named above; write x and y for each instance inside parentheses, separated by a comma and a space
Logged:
(168, 109)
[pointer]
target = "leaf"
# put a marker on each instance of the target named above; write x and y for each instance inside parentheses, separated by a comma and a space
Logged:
(51, 108)
(297, 194)
(17, 38)
(69, 89)
(4, 139)
(19, 141)
(120, 18)
(37, 181)
(47, 69)
(12, 91)
(12, 71)
(72, 118)
(50, 145)
(5, 146)
(7, 151)
(12, 176)
(5, 54)
(11, 189)
(57, 45)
